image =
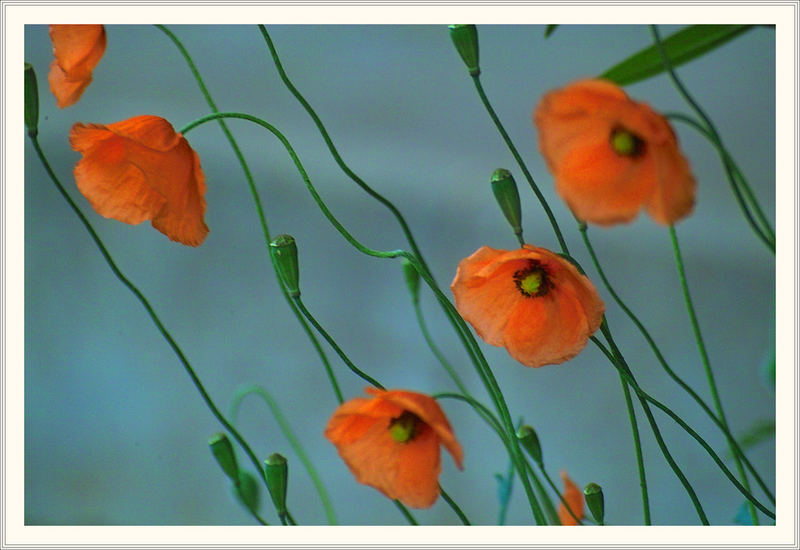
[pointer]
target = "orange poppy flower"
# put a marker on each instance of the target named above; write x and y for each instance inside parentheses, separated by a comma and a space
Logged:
(531, 301)
(611, 156)
(391, 442)
(141, 169)
(77, 50)
(574, 498)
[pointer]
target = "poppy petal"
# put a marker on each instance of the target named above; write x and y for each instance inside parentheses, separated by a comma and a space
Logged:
(141, 169)
(601, 186)
(546, 330)
(428, 410)
(406, 469)
(77, 50)
(574, 498)
(674, 194)
(599, 183)
(483, 291)
(114, 187)
(416, 480)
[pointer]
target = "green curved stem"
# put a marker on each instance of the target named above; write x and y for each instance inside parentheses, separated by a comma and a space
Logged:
(701, 347)
(346, 169)
(736, 179)
(479, 87)
(151, 312)
(645, 397)
(619, 363)
(301, 306)
(735, 448)
(766, 233)
(637, 445)
(244, 391)
(429, 340)
(335, 153)
(490, 419)
(482, 367)
(454, 506)
(254, 193)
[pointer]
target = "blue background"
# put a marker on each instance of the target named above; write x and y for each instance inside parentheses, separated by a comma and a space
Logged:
(115, 433)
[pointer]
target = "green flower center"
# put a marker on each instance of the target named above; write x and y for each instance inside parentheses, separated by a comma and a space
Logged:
(532, 280)
(626, 143)
(404, 427)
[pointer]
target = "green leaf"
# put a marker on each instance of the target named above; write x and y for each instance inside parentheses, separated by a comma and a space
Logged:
(683, 46)
(549, 30)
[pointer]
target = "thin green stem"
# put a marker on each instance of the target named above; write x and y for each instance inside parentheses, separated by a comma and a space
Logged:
(701, 347)
(454, 506)
(301, 306)
(151, 312)
(622, 367)
(736, 179)
(253, 191)
(495, 424)
(766, 233)
(288, 433)
(735, 448)
(479, 87)
(618, 362)
(335, 153)
(637, 445)
(480, 362)
(449, 368)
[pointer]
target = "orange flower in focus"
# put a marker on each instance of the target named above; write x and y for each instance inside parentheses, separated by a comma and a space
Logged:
(574, 498)
(531, 301)
(141, 169)
(391, 442)
(77, 50)
(611, 156)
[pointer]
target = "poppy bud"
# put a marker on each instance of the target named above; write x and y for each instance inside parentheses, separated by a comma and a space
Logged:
(246, 491)
(465, 38)
(411, 276)
(593, 494)
(505, 192)
(283, 250)
(31, 101)
(530, 441)
(277, 471)
(223, 452)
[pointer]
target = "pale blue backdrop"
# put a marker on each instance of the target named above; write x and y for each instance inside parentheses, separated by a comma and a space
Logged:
(115, 433)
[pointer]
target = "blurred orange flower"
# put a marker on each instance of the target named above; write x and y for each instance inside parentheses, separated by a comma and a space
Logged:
(611, 156)
(574, 498)
(531, 301)
(391, 442)
(141, 169)
(77, 50)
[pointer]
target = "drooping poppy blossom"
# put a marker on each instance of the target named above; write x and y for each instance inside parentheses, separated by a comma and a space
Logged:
(77, 50)
(531, 301)
(391, 442)
(611, 156)
(141, 169)
(574, 498)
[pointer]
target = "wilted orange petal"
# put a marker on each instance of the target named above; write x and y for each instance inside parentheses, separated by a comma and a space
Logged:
(428, 410)
(484, 301)
(115, 187)
(574, 498)
(141, 169)
(546, 330)
(674, 194)
(601, 186)
(416, 481)
(77, 50)
(66, 91)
